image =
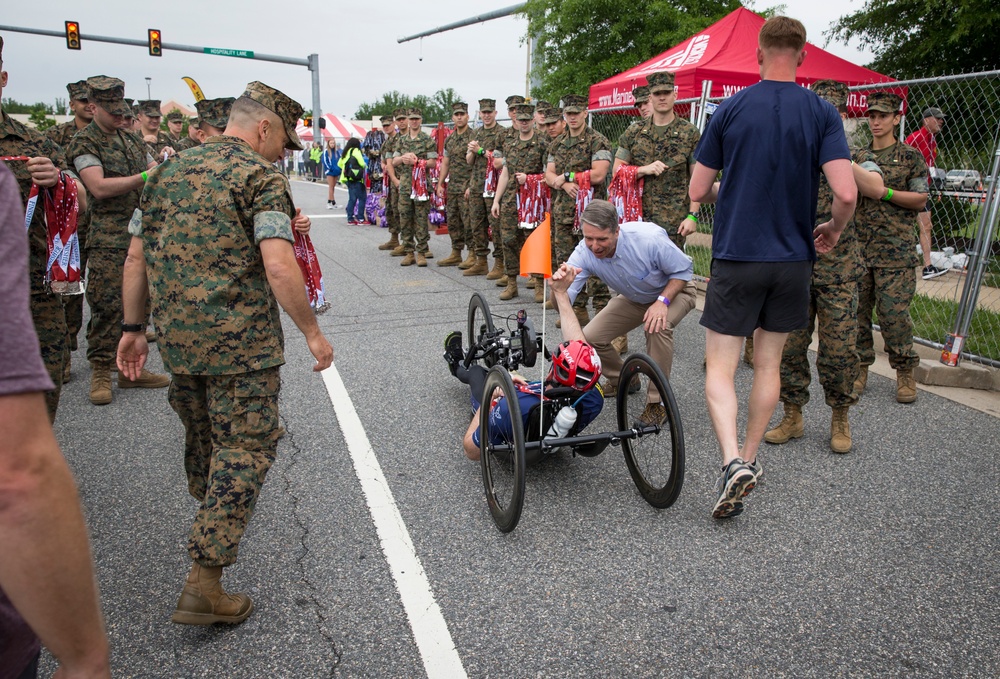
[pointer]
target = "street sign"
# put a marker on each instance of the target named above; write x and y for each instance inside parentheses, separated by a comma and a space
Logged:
(219, 51)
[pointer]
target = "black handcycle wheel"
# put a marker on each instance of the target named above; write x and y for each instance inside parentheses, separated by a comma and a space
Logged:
(480, 325)
(501, 451)
(655, 456)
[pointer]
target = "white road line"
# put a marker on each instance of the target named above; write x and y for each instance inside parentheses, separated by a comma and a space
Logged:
(430, 631)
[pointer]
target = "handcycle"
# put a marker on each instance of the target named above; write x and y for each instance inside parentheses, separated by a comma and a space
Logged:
(654, 451)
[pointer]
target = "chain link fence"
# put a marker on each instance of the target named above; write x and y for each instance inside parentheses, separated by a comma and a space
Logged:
(958, 312)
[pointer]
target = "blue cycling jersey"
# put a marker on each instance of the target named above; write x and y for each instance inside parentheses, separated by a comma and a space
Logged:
(588, 407)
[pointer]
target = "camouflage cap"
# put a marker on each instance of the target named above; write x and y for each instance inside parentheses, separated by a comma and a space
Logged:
(661, 81)
(399, 114)
(459, 107)
(150, 107)
(553, 115)
(175, 116)
(287, 109)
(487, 105)
(886, 102)
(524, 111)
(574, 103)
(215, 112)
(542, 105)
(386, 119)
(513, 100)
(641, 94)
(194, 121)
(832, 91)
(414, 113)
(109, 94)
(77, 90)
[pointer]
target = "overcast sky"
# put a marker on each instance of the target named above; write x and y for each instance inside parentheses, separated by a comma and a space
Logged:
(359, 56)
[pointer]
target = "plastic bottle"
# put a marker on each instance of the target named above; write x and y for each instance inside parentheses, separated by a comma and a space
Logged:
(565, 419)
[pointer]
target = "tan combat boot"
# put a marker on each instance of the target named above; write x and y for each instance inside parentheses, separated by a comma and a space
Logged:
(398, 251)
(204, 602)
(840, 431)
(531, 283)
(391, 243)
(502, 281)
(510, 292)
(410, 259)
(468, 262)
(791, 426)
(100, 384)
(497, 270)
(539, 293)
(146, 380)
(906, 386)
(581, 315)
(620, 344)
(480, 268)
(861, 381)
(422, 258)
(454, 259)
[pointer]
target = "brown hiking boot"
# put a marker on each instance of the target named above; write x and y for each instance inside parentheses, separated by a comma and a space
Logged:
(840, 431)
(540, 293)
(497, 271)
(480, 268)
(454, 259)
(510, 292)
(791, 426)
(468, 262)
(422, 258)
(100, 384)
(398, 251)
(391, 243)
(502, 281)
(906, 386)
(147, 380)
(861, 381)
(620, 344)
(410, 260)
(748, 352)
(204, 602)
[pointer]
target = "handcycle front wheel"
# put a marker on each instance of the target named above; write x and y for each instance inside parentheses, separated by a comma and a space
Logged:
(501, 449)
(655, 456)
(480, 325)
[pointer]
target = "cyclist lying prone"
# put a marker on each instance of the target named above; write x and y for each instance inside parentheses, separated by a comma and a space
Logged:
(575, 365)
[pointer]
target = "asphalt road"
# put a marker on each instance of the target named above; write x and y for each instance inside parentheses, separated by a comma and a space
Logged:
(877, 563)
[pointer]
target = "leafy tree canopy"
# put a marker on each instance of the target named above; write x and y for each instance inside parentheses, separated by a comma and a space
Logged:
(921, 38)
(435, 108)
(581, 42)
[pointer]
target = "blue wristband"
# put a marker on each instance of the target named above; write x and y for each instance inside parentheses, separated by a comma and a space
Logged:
(663, 299)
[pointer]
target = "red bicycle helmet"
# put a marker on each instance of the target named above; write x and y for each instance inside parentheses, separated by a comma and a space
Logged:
(575, 364)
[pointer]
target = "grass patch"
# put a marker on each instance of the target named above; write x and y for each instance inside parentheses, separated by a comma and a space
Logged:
(702, 257)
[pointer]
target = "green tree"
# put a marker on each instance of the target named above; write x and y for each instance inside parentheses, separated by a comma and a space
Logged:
(13, 106)
(581, 42)
(61, 107)
(920, 38)
(435, 108)
(40, 120)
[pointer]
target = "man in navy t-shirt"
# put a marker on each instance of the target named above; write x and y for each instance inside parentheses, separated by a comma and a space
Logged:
(770, 141)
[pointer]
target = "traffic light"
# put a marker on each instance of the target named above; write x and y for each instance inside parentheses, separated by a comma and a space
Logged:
(322, 123)
(72, 35)
(307, 121)
(155, 50)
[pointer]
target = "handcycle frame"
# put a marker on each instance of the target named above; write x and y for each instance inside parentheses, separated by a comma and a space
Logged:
(503, 463)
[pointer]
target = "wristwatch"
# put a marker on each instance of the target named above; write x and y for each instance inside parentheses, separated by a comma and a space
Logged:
(566, 176)
(133, 327)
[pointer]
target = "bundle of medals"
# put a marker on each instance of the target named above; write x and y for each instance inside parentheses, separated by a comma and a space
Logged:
(625, 193)
(59, 203)
(533, 201)
(583, 197)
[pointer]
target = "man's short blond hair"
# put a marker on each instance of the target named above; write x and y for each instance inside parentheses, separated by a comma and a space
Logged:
(782, 33)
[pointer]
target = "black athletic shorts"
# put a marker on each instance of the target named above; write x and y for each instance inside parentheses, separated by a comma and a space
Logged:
(744, 296)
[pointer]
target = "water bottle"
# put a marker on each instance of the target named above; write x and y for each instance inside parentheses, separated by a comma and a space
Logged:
(565, 419)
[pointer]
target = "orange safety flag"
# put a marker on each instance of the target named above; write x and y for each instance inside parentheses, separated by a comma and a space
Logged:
(536, 253)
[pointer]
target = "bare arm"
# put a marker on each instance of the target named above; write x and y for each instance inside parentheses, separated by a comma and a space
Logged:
(911, 200)
(132, 347)
(47, 570)
(703, 187)
(599, 171)
(443, 175)
(840, 176)
(285, 278)
(102, 188)
(869, 182)
(559, 284)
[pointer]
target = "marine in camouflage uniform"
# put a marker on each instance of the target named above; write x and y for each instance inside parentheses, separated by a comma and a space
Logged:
(199, 232)
(640, 95)
(570, 153)
(413, 214)
(213, 115)
(392, 207)
(457, 171)
(520, 156)
(102, 152)
(833, 304)
(670, 140)
(46, 307)
(887, 240)
(177, 142)
(484, 139)
(149, 125)
(62, 135)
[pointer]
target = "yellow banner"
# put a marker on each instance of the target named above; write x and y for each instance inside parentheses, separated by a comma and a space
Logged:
(195, 90)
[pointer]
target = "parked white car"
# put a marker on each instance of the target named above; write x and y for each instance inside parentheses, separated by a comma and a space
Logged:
(963, 180)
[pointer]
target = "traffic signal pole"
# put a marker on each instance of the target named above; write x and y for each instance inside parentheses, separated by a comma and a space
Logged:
(311, 62)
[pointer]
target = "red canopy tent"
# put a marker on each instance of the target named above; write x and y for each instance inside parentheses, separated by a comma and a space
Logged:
(725, 54)
(335, 128)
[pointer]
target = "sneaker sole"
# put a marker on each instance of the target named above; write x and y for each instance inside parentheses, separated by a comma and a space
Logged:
(928, 277)
(730, 502)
